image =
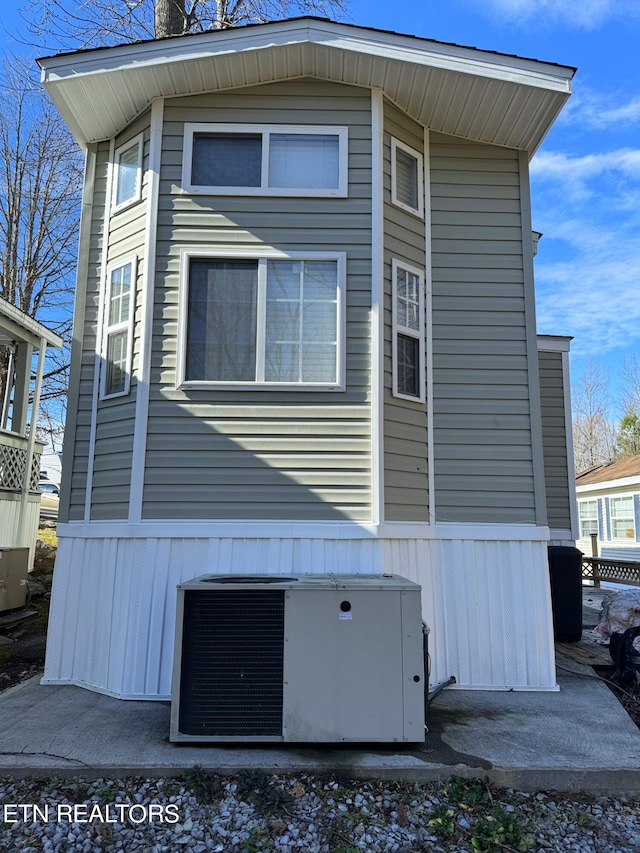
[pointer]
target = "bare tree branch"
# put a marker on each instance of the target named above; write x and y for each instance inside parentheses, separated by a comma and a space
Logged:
(73, 24)
(594, 434)
(40, 182)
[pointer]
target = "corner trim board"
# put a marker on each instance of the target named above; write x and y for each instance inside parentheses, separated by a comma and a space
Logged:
(148, 290)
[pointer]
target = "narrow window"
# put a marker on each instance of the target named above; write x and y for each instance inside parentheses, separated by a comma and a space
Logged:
(263, 321)
(408, 332)
(588, 512)
(265, 160)
(406, 178)
(128, 173)
(119, 314)
(622, 518)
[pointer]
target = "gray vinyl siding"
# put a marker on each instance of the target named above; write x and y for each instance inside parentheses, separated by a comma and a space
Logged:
(405, 421)
(116, 417)
(484, 469)
(254, 454)
(554, 440)
(84, 344)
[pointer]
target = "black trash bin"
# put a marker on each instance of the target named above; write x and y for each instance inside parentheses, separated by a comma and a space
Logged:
(565, 569)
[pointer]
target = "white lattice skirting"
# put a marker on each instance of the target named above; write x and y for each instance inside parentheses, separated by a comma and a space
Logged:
(485, 599)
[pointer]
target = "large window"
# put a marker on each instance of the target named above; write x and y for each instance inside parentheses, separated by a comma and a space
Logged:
(264, 321)
(407, 189)
(588, 511)
(127, 181)
(265, 160)
(118, 321)
(408, 332)
(622, 518)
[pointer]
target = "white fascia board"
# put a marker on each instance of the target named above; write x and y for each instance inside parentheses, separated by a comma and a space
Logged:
(448, 57)
(606, 485)
(407, 49)
(554, 343)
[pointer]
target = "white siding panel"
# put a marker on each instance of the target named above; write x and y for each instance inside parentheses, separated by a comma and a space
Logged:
(10, 523)
(486, 601)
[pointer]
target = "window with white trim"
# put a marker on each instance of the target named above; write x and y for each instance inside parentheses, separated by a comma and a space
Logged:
(116, 373)
(285, 160)
(264, 321)
(588, 512)
(623, 525)
(127, 177)
(408, 332)
(407, 187)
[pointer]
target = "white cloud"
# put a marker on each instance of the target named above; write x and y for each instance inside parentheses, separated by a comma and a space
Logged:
(598, 110)
(588, 265)
(593, 291)
(593, 297)
(574, 173)
(582, 14)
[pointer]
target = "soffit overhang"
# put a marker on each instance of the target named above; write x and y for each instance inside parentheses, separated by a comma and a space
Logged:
(478, 95)
(18, 327)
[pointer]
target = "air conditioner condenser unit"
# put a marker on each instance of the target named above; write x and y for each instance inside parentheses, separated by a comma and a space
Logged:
(298, 658)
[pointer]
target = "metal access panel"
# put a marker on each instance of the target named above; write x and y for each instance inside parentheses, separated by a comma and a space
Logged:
(298, 658)
(14, 571)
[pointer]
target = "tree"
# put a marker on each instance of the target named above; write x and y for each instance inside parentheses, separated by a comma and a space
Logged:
(40, 180)
(631, 384)
(593, 433)
(71, 24)
(628, 439)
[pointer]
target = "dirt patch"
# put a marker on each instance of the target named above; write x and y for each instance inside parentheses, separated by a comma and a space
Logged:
(22, 646)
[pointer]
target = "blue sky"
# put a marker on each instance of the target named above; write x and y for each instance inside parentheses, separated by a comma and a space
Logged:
(585, 176)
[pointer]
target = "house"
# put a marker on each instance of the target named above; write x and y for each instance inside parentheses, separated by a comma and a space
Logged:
(20, 337)
(305, 340)
(609, 506)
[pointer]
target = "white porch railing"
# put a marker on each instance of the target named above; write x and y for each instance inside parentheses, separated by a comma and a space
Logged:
(19, 509)
(13, 462)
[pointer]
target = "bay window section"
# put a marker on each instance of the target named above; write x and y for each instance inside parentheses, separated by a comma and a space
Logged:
(279, 160)
(262, 321)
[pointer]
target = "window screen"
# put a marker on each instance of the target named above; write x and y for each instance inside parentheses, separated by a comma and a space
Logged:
(227, 160)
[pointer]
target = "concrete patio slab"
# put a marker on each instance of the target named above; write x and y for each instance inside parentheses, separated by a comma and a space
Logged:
(577, 739)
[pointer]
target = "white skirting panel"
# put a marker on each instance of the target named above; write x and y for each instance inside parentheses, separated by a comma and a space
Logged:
(487, 602)
(10, 523)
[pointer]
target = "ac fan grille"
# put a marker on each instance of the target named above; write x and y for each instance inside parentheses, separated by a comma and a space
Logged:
(232, 663)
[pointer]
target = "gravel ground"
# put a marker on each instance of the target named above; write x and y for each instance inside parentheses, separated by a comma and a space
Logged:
(253, 812)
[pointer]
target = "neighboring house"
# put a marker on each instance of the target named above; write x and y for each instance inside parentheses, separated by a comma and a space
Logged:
(20, 337)
(305, 340)
(609, 506)
(51, 467)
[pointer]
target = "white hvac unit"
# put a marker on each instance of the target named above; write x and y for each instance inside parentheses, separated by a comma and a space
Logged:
(298, 658)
